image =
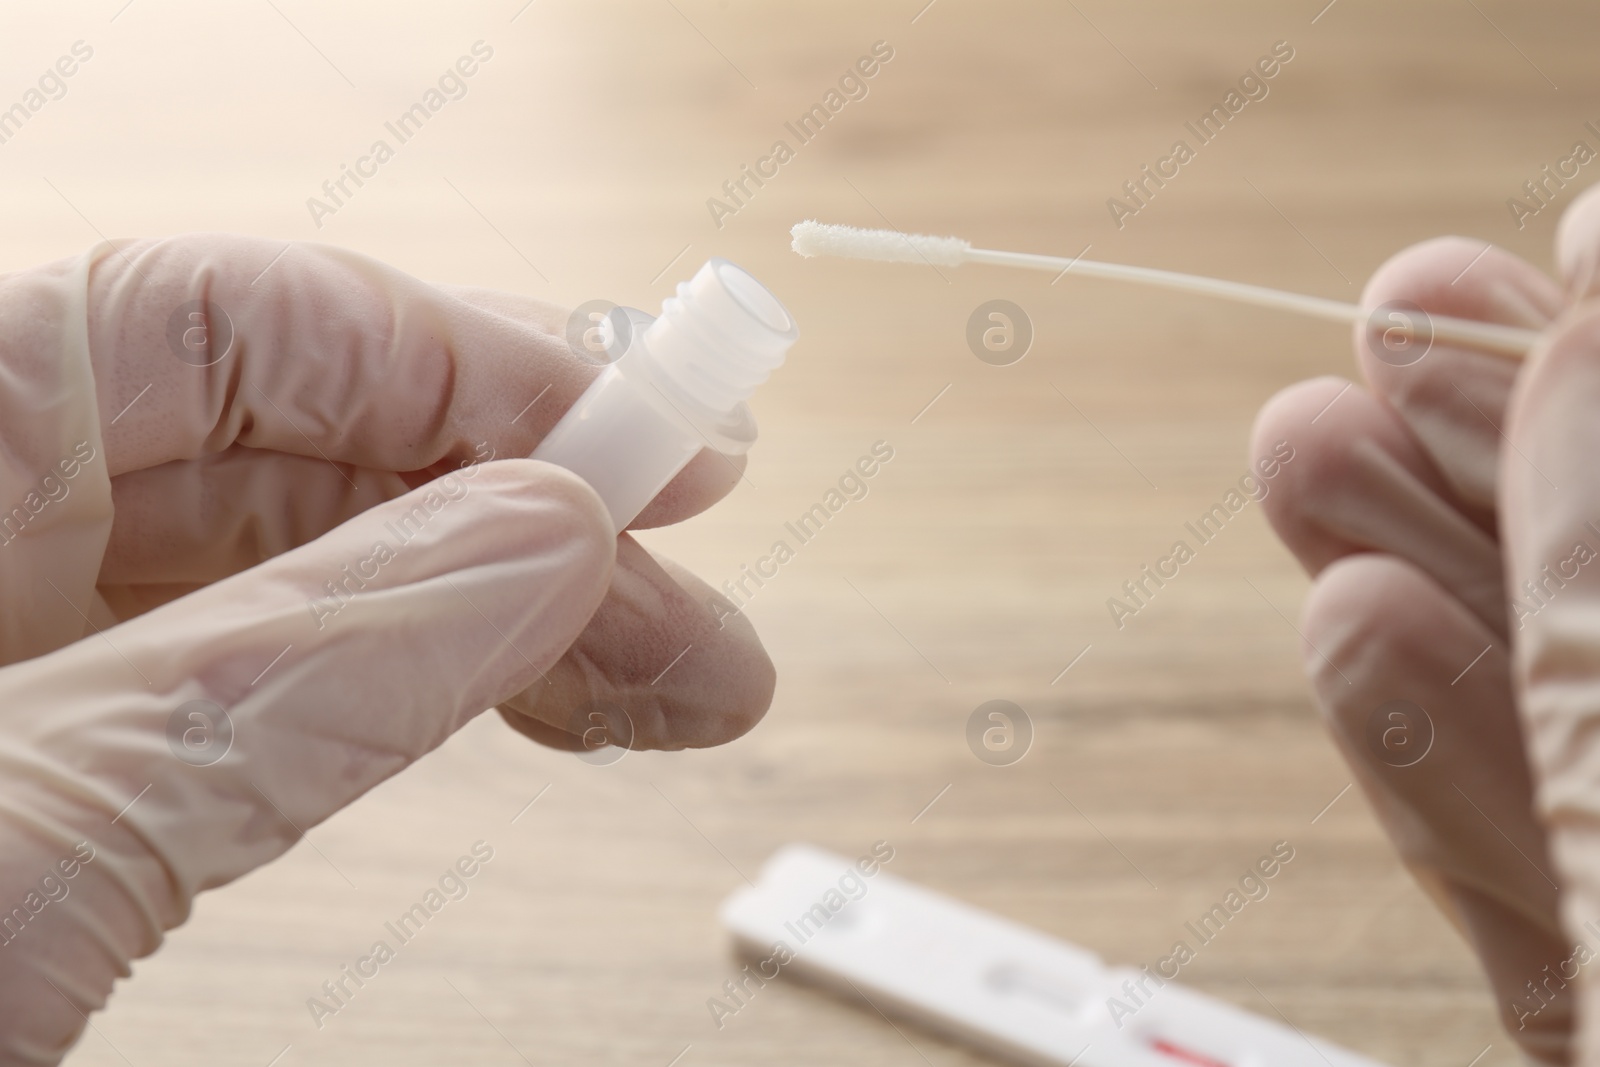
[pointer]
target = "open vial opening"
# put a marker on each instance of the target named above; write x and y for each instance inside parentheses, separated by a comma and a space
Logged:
(754, 297)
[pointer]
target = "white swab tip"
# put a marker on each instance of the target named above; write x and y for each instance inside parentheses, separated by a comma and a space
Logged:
(812, 238)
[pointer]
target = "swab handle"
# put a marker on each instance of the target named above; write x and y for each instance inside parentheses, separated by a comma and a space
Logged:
(1501, 340)
(813, 238)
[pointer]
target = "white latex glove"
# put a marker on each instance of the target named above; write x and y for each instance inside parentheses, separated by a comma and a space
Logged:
(1422, 504)
(344, 405)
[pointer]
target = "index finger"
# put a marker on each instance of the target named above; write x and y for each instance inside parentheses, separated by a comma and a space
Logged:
(1451, 396)
(204, 341)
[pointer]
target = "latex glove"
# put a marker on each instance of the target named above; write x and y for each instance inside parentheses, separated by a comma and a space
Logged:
(346, 384)
(1553, 423)
(1397, 502)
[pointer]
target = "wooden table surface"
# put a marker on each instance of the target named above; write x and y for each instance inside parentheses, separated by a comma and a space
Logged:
(1019, 498)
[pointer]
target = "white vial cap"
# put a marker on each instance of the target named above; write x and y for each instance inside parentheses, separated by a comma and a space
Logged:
(721, 336)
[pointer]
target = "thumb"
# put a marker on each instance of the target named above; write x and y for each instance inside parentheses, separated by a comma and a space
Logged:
(197, 742)
(1550, 514)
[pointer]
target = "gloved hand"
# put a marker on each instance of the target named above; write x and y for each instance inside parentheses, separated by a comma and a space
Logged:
(251, 565)
(1453, 630)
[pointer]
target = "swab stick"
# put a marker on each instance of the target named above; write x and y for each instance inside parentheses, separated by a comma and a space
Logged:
(890, 246)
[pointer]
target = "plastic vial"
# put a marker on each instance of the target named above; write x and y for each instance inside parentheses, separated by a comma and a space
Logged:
(677, 384)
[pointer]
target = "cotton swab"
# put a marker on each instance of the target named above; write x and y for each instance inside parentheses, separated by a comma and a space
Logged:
(890, 246)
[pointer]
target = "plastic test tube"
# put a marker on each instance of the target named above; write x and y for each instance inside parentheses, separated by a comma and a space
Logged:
(677, 384)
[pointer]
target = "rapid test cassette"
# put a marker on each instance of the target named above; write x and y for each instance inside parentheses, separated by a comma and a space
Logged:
(1012, 991)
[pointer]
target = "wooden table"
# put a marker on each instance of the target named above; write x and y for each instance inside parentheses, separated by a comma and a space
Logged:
(579, 165)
